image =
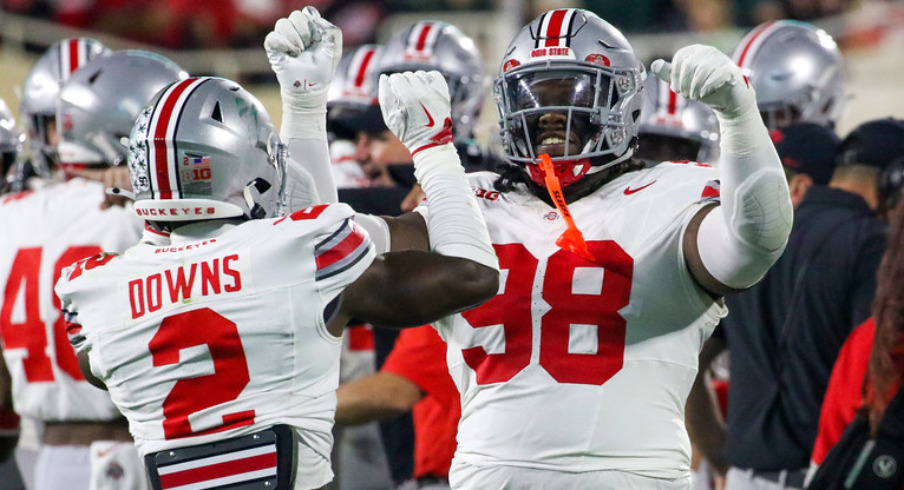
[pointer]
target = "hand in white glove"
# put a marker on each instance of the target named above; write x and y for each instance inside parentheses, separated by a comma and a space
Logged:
(706, 74)
(417, 109)
(304, 50)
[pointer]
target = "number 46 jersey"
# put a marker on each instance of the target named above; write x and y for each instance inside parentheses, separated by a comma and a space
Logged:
(42, 232)
(221, 333)
(579, 365)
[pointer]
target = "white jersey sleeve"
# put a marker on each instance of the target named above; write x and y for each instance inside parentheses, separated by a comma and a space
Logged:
(221, 332)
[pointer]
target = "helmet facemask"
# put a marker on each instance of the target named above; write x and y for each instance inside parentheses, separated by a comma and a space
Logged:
(575, 112)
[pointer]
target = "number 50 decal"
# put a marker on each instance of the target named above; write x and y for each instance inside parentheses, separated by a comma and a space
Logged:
(512, 309)
(189, 395)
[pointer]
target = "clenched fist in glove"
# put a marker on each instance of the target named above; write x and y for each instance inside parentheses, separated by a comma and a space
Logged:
(706, 74)
(304, 50)
(417, 109)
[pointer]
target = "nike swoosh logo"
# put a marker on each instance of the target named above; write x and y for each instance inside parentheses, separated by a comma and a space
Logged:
(630, 191)
(429, 124)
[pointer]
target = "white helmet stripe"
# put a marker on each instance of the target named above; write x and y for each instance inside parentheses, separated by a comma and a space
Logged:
(162, 165)
(748, 47)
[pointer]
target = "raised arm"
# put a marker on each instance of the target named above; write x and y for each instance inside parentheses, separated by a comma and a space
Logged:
(304, 50)
(460, 270)
(730, 247)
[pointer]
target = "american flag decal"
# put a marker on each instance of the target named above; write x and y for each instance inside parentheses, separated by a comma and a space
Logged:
(341, 250)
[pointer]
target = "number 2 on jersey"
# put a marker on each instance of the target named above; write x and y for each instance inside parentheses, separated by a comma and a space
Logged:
(513, 310)
(190, 395)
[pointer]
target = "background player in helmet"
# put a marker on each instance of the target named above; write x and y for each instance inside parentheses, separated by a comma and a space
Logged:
(352, 107)
(796, 70)
(435, 45)
(40, 97)
(575, 375)
(358, 456)
(266, 288)
(674, 128)
(50, 228)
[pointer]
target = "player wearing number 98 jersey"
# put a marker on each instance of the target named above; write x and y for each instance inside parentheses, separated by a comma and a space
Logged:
(576, 374)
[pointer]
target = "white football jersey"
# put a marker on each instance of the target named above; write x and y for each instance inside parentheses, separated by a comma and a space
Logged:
(582, 366)
(220, 333)
(42, 232)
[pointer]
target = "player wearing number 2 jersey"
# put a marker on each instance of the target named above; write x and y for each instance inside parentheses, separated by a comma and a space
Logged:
(222, 348)
(576, 374)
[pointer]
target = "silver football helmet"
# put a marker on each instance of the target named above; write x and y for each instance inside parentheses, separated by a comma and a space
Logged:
(205, 149)
(797, 71)
(433, 45)
(688, 129)
(40, 96)
(570, 86)
(100, 102)
(352, 104)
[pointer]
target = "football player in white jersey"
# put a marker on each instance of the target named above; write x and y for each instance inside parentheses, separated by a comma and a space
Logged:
(222, 348)
(85, 441)
(576, 374)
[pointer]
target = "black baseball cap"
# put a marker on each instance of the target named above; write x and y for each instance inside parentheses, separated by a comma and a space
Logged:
(875, 143)
(807, 148)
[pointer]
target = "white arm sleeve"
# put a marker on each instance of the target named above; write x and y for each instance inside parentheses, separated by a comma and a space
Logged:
(454, 223)
(315, 178)
(743, 237)
(378, 230)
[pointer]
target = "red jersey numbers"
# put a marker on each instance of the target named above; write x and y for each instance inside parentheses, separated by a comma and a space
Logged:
(191, 395)
(307, 213)
(569, 312)
(25, 329)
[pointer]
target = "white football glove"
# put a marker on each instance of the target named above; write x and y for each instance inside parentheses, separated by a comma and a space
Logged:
(706, 74)
(417, 108)
(304, 50)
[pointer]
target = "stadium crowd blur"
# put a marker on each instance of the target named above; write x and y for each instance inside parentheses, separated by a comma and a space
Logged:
(189, 24)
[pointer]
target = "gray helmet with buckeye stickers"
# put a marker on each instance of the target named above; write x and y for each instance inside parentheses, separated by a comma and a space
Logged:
(796, 70)
(574, 68)
(40, 96)
(675, 128)
(433, 45)
(100, 102)
(205, 148)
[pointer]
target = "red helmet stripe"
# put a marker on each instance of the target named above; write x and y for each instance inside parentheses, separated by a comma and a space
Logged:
(74, 58)
(162, 157)
(554, 27)
(422, 37)
(750, 40)
(362, 67)
(673, 102)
